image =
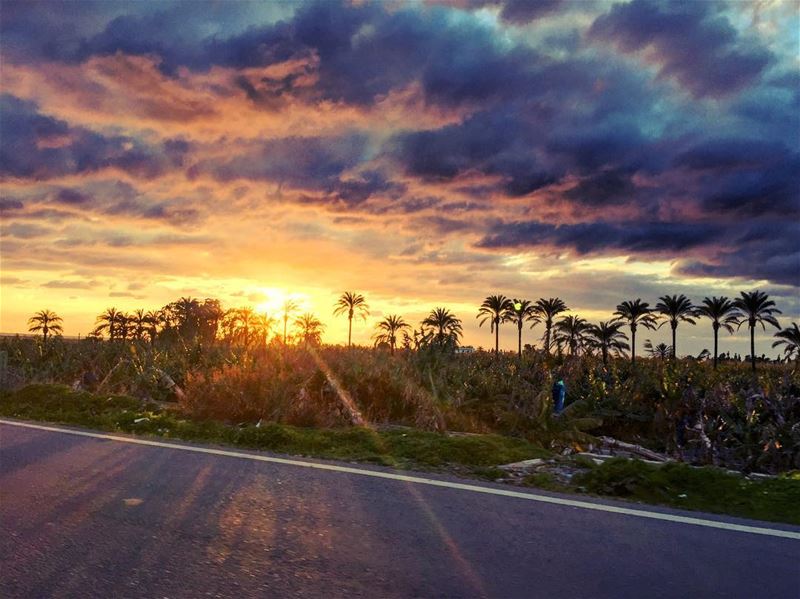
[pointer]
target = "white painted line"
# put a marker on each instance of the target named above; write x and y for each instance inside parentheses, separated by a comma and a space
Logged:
(756, 530)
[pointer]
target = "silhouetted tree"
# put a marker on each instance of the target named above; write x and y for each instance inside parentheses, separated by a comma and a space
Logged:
(675, 309)
(723, 314)
(352, 304)
(546, 310)
(571, 331)
(112, 321)
(661, 350)
(635, 313)
(388, 328)
(493, 309)
(47, 322)
(607, 337)
(790, 338)
(520, 312)
(446, 326)
(756, 308)
(309, 329)
(289, 307)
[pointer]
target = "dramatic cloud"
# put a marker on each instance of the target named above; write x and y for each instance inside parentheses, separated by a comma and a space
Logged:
(422, 152)
(688, 41)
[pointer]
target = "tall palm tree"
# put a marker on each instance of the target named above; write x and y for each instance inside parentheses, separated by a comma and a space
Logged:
(388, 328)
(289, 307)
(139, 323)
(635, 313)
(310, 328)
(187, 310)
(352, 304)
(546, 310)
(675, 309)
(520, 312)
(446, 325)
(111, 320)
(661, 350)
(245, 322)
(790, 337)
(571, 331)
(47, 322)
(723, 314)
(262, 327)
(756, 308)
(153, 318)
(607, 337)
(493, 308)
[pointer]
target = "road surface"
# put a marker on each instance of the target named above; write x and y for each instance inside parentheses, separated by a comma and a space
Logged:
(90, 517)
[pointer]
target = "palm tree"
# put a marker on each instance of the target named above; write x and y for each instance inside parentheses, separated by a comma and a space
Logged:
(790, 337)
(675, 308)
(262, 327)
(723, 314)
(187, 311)
(662, 350)
(140, 322)
(352, 304)
(546, 310)
(756, 308)
(153, 318)
(493, 309)
(112, 321)
(571, 331)
(309, 328)
(388, 328)
(47, 322)
(446, 325)
(289, 307)
(246, 321)
(635, 313)
(607, 337)
(521, 311)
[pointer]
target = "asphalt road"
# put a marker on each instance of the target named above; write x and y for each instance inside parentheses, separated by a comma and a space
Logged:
(87, 517)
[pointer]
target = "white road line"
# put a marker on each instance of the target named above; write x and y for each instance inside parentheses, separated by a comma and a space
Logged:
(770, 532)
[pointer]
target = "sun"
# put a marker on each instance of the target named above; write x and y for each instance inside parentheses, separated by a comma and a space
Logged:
(275, 298)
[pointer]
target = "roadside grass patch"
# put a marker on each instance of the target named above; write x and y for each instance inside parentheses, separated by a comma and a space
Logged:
(473, 454)
(705, 489)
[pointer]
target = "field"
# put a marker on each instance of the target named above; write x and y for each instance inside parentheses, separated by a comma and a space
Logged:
(433, 409)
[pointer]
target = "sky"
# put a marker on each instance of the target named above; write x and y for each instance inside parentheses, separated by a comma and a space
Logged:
(422, 153)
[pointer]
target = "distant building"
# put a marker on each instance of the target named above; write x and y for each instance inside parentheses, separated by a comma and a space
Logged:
(466, 349)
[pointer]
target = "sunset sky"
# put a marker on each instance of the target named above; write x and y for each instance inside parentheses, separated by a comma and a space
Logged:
(421, 153)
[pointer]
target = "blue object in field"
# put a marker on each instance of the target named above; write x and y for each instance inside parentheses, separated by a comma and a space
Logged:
(559, 394)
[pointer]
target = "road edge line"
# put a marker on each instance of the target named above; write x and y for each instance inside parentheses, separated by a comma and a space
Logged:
(772, 532)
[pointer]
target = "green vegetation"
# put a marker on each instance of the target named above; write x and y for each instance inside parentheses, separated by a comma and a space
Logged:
(706, 489)
(675, 485)
(398, 448)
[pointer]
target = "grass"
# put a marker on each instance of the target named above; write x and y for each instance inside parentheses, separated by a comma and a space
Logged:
(676, 485)
(472, 454)
(706, 489)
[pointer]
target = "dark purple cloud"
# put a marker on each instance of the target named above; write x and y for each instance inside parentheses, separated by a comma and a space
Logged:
(690, 41)
(37, 146)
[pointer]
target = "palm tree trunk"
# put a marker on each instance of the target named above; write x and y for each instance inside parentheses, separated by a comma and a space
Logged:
(519, 339)
(633, 346)
(284, 330)
(547, 338)
(753, 347)
(716, 339)
(496, 338)
(605, 356)
(674, 347)
(349, 332)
